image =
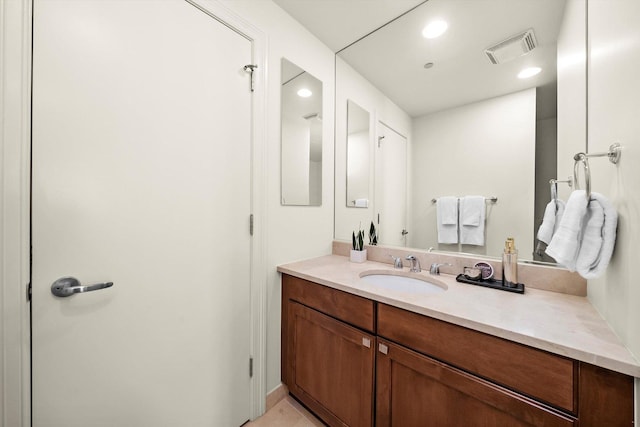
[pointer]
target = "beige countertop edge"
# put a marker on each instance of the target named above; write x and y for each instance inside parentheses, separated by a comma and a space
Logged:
(584, 335)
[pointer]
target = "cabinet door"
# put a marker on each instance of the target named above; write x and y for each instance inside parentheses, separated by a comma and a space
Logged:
(414, 390)
(331, 367)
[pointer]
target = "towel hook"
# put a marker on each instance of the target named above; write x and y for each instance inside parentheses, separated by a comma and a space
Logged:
(613, 154)
(581, 157)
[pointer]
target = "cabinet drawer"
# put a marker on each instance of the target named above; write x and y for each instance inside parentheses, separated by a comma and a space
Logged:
(349, 308)
(416, 391)
(533, 372)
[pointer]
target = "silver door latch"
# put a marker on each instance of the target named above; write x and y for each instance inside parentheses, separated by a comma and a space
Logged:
(67, 286)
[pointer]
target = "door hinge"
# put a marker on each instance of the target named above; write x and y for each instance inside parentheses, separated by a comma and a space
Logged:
(251, 224)
(251, 367)
(380, 138)
(29, 291)
(250, 68)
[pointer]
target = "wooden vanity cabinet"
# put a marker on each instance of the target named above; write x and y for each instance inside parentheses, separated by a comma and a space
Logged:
(486, 380)
(544, 376)
(337, 348)
(327, 363)
(413, 390)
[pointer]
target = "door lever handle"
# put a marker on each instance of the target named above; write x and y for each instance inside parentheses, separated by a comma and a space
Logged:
(67, 286)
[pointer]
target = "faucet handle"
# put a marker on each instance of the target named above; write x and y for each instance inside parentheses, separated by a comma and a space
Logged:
(397, 262)
(435, 267)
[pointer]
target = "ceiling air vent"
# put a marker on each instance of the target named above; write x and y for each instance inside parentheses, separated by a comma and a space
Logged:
(512, 48)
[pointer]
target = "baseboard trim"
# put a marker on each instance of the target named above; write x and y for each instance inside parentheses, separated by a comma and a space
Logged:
(276, 395)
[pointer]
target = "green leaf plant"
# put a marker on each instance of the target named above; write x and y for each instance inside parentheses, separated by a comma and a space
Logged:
(357, 240)
(373, 235)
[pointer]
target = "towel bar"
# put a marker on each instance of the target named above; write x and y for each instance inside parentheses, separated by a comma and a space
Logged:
(492, 199)
(553, 183)
(613, 154)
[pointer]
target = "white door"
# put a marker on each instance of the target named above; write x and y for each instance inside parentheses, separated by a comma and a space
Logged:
(141, 177)
(391, 186)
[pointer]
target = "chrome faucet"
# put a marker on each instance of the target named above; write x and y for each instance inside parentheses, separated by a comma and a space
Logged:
(397, 262)
(415, 264)
(435, 268)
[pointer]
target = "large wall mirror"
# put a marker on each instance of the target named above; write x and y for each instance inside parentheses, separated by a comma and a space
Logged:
(494, 106)
(301, 137)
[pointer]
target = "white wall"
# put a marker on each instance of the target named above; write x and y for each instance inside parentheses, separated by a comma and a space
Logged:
(352, 86)
(614, 116)
(572, 96)
(485, 156)
(293, 232)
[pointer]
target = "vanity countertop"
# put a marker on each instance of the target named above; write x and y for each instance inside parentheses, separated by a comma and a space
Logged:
(562, 324)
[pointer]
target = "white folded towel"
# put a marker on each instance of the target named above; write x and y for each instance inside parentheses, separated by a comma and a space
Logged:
(551, 220)
(447, 219)
(598, 239)
(586, 235)
(361, 203)
(565, 243)
(472, 216)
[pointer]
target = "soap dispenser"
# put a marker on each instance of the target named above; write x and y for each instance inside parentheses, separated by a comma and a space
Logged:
(510, 264)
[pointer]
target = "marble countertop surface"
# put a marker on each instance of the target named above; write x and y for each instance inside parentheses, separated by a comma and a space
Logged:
(562, 324)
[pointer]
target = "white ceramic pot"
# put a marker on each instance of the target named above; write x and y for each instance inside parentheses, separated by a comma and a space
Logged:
(358, 256)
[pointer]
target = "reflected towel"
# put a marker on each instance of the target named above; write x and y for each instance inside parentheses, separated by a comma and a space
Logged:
(447, 219)
(472, 217)
(551, 220)
(361, 203)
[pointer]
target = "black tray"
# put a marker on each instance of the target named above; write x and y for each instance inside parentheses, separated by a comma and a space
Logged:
(491, 283)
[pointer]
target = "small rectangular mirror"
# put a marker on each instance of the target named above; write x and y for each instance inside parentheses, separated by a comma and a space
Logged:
(358, 152)
(301, 137)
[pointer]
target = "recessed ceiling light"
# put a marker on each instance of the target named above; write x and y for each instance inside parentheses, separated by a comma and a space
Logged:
(529, 72)
(304, 93)
(429, 65)
(435, 29)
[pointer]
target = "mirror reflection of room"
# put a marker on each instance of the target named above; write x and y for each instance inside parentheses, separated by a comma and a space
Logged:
(301, 135)
(358, 147)
(494, 96)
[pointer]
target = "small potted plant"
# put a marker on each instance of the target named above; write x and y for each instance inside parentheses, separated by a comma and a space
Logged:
(358, 252)
(373, 235)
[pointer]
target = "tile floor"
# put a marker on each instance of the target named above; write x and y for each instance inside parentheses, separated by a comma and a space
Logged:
(286, 413)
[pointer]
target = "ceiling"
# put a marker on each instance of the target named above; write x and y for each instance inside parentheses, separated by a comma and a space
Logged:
(338, 23)
(393, 57)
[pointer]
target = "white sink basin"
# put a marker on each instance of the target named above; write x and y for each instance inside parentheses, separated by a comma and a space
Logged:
(402, 281)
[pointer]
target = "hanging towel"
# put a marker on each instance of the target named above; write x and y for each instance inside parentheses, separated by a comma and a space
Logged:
(361, 203)
(551, 220)
(472, 216)
(447, 218)
(598, 238)
(565, 243)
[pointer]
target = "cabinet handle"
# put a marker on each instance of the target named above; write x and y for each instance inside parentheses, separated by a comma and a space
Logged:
(383, 348)
(366, 342)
